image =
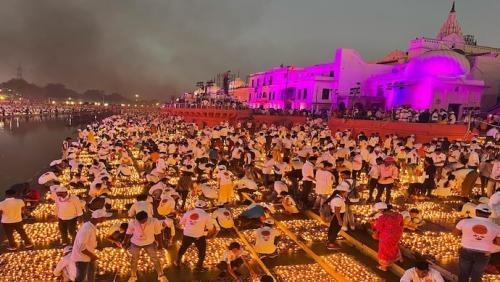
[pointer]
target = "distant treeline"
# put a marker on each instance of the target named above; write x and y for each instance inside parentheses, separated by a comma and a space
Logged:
(57, 91)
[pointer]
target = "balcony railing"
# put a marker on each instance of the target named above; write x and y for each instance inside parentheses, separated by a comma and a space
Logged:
(200, 106)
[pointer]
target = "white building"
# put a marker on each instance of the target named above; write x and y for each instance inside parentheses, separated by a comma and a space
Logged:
(449, 71)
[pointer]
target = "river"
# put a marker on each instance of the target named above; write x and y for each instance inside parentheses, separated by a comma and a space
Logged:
(29, 144)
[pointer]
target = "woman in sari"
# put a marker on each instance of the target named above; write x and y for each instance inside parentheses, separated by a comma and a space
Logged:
(389, 229)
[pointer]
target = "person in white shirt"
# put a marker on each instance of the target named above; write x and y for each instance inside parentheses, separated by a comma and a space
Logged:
(66, 268)
(225, 184)
(439, 159)
(267, 170)
(388, 175)
(337, 207)
(373, 175)
(12, 220)
(49, 178)
(357, 165)
(65, 147)
(223, 217)
(156, 190)
(195, 223)
(142, 204)
(473, 161)
(307, 179)
(144, 232)
(480, 238)
(166, 206)
(495, 174)
(421, 273)
(412, 161)
(245, 185)
(168, 231)
(324, 183)
(232, 259)
(295, 175)
(279, 187)
(236, 156)
(69, 209)
(266, 240)
(492, 133)
(116, 234)
(281, 169)
(83, 253)
(494, 204)
(97, 188)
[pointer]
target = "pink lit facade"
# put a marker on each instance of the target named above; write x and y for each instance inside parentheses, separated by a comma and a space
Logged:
(447, 73)
(293, 87)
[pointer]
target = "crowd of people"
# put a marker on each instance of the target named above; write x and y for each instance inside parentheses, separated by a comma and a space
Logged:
(405, 114)
(195, 177)
(207, 100)
(472, 116)
(37, 109)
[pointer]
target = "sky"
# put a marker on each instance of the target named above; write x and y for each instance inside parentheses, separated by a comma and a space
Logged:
(160, 48)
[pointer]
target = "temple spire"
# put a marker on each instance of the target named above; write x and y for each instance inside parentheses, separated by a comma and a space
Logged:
(451, 25)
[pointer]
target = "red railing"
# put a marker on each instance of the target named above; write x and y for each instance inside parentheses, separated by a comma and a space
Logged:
(424, 132)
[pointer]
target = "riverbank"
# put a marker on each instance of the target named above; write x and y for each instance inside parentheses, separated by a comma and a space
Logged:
(29, 144)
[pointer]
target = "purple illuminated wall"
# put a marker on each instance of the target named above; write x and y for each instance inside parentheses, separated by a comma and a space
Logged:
(415, 83)
(286, 85)
(438, 63)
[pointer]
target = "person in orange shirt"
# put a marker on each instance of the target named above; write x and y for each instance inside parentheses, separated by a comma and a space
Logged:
(91, 137)
(154, 156)
(421, 152)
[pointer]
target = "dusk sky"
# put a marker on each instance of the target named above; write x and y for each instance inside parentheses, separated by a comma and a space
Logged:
(162, 47)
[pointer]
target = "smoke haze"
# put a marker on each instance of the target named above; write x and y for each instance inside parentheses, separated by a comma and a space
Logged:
(160, 48)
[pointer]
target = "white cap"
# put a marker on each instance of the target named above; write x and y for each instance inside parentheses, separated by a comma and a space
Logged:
(379, 206)
(55, 162)
(269, 221)
(270, 206)
(68, 249)
(483, 208)
(222, 167)
(200, 204)
(60, 189)
(165, 196)
(484, 200)
(100, 213)
(53, 188)
(185, 168)
(343, 187)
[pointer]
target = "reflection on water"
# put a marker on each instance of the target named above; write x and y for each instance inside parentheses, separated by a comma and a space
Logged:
(28, 144)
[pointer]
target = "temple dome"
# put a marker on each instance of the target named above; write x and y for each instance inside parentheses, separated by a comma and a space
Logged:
(445, 63)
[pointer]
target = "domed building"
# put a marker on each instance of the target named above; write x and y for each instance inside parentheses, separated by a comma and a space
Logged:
(437, 79)
(449, 71)
(438, 63)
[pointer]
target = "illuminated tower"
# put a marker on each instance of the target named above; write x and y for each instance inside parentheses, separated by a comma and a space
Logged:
(450, 27)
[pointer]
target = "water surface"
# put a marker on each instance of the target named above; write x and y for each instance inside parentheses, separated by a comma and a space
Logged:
(29, 144)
